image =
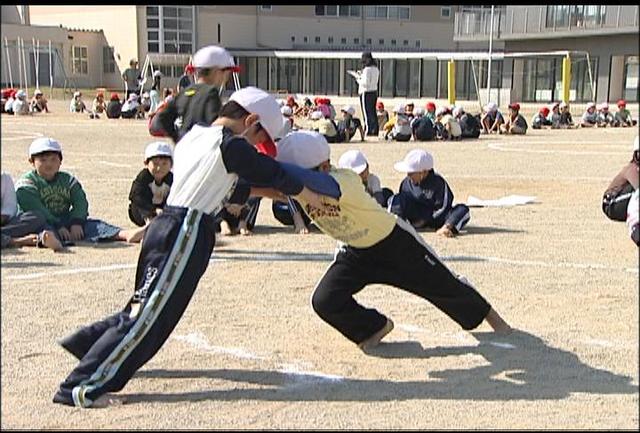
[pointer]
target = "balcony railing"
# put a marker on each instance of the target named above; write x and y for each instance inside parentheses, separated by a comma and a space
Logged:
(525, 21)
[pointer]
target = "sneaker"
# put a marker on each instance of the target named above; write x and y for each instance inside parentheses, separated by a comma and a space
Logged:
(67, 344)
(373, 341)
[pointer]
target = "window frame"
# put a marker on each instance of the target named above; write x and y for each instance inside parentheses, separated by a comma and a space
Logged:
(83, 61)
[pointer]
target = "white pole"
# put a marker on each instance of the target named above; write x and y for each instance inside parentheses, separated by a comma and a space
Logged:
(19, 62)
(490, 48)
(6, 46)
(35, 62)
(50, 72)
(24, 69)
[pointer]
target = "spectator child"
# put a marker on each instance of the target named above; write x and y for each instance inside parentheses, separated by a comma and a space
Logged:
(516, 123)
(131, 107)
(22, 228)
(10, 98)
(39, 103)
(623, 116)
(491, 119)
(186, 79)
(605, 118)
(77, 104)
(287, 113)
(425, 199)
(469, 124)
(355, 161)
(446, 126)
(155, 97)
(150, 189)
(422, 127)
(98, 106)
(590, 116)
(397, 128)
(349, 125)
(114, 107)
(59, 197)
(431, 111)
(324, 126)
(566, 120)
(408, 110)
(381, 113)
(20, 105)
(541, 118)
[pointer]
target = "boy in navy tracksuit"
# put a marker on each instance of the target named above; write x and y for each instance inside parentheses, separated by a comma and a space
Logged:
(178, 244)
(424, 197)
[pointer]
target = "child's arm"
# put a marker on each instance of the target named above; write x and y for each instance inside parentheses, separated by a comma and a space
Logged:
(79, 205)
(29, 200)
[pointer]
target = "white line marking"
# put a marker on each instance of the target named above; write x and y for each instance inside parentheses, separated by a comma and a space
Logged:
(22, 136)
(220, 257)
(114, 164)
(502, 147)
(314, 376)
(502, 345)
(199, 341)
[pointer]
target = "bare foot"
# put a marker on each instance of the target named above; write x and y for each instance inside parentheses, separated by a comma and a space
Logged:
(25, 241)
(227, 230)
(107, 400)
(50, 240)
(497, 323)
(298, 224)
(242, 228)
(445, 231)
(133, 236)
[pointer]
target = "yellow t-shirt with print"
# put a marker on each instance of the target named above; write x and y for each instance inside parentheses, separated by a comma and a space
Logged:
(357, 219)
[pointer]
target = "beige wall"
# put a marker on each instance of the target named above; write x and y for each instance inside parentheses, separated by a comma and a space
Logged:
(118, 23)
(236, 30)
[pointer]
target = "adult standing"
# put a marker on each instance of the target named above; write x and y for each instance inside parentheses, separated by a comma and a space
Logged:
(368, 92)
(132, 77)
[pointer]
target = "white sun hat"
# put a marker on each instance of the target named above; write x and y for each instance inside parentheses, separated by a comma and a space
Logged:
(158, 148)
(44, 144)
(349, 109)
(316, 115)
(308, 149)
(286, 110)
(399, 108)
(353, 160)
(257, 101)
(213, 56)
(414, 161)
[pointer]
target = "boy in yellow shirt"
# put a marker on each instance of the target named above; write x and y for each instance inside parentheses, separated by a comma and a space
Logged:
(369, 239)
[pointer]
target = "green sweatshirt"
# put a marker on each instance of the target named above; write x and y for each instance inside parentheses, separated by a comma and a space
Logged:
(62, 201)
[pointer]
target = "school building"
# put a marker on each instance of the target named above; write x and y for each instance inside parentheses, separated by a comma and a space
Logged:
(308, 49)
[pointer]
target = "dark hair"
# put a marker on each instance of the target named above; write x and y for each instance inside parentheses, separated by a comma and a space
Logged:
(233, 110)
(367, 59)
(45, 153)
(146, 161)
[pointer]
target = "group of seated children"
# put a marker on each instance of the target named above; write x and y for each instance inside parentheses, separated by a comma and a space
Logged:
(15, 102)
(598, 116)
(133, 107)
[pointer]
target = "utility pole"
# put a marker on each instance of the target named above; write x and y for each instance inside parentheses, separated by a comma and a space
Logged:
(490, 47)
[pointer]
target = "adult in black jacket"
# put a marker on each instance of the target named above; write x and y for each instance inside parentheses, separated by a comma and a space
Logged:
(200, 102)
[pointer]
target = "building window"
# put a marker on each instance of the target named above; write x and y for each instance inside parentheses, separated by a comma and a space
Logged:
(343, 41)
(330, 39)
(405, 43)
(317, 39)
(380, 41)
(388, 12)
(356, 41)
(393, 42)
(368, 41)
(293, 38)
(337, 11)
(418, 43)
(575, 16)
(108, 61)
(80, 61)
(630, 78)
(305, 39)
(266, 8)
(170, 29)
(445, 12)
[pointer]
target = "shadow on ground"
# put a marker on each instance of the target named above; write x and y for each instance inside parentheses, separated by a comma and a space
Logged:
(530, 371)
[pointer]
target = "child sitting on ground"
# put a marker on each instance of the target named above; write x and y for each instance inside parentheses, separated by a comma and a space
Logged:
(491, 119)
(324, 125)
(590, 116)
(623, 116)
(114, 107)
(381, 113)
(605, 118)
(20, 105)
(131, 108)
(431, 111)
(540, 119)
(555, 116)
(356, 161)
(397, 128)
(59, 197)
(422, 127)
(150, 189)
(515, 123)
(566, 120)
(349, 125)
(98, 106)
(77, 104)
(469, 124)
(424, 198)
(446, 126)
(39, 103)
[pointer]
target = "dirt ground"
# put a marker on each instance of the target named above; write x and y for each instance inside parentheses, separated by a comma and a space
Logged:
(250, 353)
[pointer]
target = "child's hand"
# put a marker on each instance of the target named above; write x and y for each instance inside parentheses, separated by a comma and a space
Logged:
(77, 233)
(64, 234)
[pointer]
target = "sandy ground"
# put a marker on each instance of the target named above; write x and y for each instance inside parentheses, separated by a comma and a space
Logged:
(250, 353)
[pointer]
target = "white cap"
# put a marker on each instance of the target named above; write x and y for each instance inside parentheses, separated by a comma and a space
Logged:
(44, 144)
(213, 56)
(21, 94)
(308, 149)
(146, 95)
(414, 161)
(399, 108)
(353, 160)
(286, 110)
(636, 144)
(563, 104)
(76, 94)
(37, 92)
(441, 111)
(280, 101)
(418, 111)
(158, 148)
(157, 73)
(603, 106)
(457, 111)
(491, 107)
(591, 105)
(257, 101)
(133, 96)
(316, 115)
(349, 109)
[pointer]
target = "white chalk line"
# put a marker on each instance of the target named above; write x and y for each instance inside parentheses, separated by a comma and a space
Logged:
(297, 370)
(22, 136)
(536, 178)
(220, 257)
(502, 147)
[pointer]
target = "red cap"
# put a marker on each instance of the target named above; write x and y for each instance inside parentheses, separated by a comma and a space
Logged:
(114, 96)
(622, 103)
(431, 106)
(316, 100)
(544, 111)
(290, 98)
(379, 104)
(267, 147)
(515, 106)
(100, 94)
(189, 69)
